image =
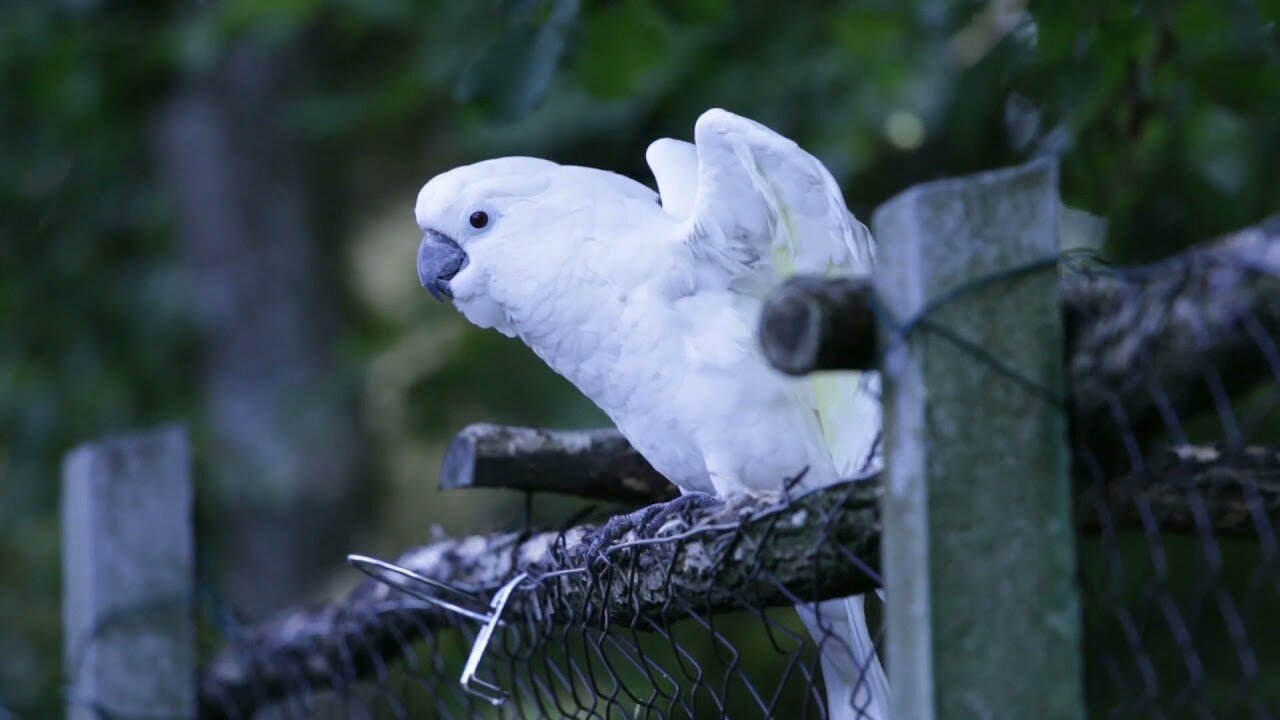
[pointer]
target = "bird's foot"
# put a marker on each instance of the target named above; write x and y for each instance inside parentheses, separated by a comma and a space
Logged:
(610, 533)
(645, 522)
(661, 513)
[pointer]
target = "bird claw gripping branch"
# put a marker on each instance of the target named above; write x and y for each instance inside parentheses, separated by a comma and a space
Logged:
(645, 523)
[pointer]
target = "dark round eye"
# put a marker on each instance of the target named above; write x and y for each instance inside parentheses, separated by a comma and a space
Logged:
(479, 219)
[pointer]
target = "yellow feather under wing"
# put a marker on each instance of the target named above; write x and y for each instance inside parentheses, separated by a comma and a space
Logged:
(847, 404)
(848, 408)
(769, 197)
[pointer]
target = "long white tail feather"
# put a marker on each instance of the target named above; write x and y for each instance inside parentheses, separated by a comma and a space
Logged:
(872, 691)
(857, 688)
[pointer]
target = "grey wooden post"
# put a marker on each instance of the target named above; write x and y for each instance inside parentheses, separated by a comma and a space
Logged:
(128, 577)
(978, 550)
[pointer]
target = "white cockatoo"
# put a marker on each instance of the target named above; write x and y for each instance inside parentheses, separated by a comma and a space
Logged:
(649, 302)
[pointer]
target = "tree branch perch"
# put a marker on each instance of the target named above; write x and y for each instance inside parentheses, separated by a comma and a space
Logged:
(1129, 332)
(595, 464)
(720, 568)
(1135, 339)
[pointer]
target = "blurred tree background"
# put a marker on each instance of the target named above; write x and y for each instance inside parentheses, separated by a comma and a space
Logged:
(206, 215)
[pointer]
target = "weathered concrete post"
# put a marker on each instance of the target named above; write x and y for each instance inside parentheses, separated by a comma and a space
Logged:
(128, 577)
(979, 566)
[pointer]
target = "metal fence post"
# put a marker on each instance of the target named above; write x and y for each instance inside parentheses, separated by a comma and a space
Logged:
(979, 565)
(128, 577)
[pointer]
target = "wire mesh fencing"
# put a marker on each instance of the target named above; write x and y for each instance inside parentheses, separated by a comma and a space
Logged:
(694, 620)
(1175, 436)
(1176, 462)
(737, 609)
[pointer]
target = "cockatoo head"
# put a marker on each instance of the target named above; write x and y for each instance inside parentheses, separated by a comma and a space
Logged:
(478, 222)
(500, 236)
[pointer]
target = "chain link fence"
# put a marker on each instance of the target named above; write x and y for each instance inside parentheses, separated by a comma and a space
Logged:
(1174, 380)
(1177, 461)
(694, 622)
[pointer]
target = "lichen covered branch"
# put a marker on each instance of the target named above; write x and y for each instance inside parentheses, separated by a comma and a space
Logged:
(1135, 336)
(761, 552)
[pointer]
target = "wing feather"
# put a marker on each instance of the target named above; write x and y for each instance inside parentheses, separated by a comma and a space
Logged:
(763, 208)
(770, 204)
(675, 166)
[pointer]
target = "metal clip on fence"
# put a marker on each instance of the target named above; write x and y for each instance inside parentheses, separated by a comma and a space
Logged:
(409, 582)
(490, 612)
(472, 684)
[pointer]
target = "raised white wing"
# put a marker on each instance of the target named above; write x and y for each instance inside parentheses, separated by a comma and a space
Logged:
(762, 202)
(760, 208)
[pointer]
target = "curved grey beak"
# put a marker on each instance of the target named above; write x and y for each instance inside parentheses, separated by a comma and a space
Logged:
(439, 259)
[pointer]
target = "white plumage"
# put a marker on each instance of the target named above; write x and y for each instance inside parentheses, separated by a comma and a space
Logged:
(650, 309)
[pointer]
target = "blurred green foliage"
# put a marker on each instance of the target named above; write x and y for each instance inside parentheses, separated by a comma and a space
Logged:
(1164, 113)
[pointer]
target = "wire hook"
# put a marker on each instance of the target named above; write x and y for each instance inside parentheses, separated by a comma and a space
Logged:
(493, 694)
(403, 579)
